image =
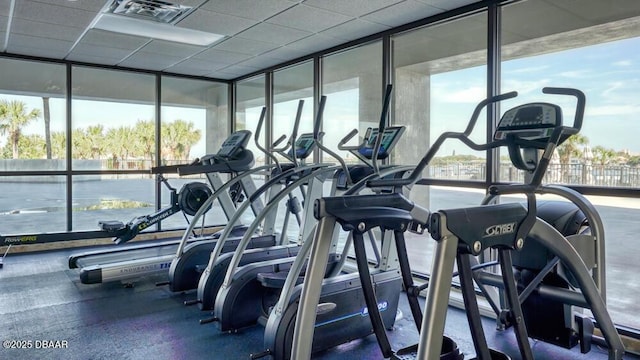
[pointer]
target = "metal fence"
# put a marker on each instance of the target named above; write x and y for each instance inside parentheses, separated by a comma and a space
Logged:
(571, 174)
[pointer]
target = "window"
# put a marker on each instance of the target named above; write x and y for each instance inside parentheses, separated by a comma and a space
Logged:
(32, 139)
(113, 122)
(250, 99)
(352, 82)
(194, 123)
(291, 85)
(589, 47)
(439, 75)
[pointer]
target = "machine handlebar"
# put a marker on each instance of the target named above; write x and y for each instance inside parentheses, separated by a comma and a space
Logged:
(462, 136)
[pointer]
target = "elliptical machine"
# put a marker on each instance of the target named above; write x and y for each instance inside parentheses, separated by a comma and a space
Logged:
(460, 233)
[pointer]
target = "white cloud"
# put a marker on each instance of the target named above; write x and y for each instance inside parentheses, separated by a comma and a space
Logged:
(612, 87)
(524, 87)
(609, 110)
(622, 63)
(470, 95)
(575, 74)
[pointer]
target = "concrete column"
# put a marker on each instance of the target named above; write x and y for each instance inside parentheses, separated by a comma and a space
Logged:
(412, 106)
(216, 127)
(369, 101)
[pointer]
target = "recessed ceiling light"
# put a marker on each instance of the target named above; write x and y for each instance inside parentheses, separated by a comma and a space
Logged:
(152, 19)
(156, 10)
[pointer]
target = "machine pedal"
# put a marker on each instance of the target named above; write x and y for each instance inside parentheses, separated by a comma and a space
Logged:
(208, 320)
(449, 351)
(111, 226)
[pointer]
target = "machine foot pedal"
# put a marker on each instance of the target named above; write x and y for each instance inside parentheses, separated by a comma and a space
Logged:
(208, 320)
(450, 351)
(260, 355)
(111, 226)
(497, 355)
(585, 332)
(191, 302)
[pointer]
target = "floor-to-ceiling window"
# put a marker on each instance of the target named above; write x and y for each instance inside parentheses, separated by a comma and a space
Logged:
(290, 85)
(352, 83)
(113, 128)
(439, 75)
(591, 47)
(194, 123)
(33, 149)
(250, 99)
(112, 142)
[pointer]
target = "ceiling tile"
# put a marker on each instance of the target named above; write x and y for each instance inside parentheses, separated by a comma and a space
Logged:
(58, 46)
(89, 5)
(93, 59)
(94, 50)
(273, 33)
(221, 56)
(352, 7)
(245, 46)
(231, 72)
(220, 74)
(113, 40)
(448, 4)
(151, 61)
(212, 22)
(261, 62)
(402, 13)
(308, 18)
(316, 43)
(5, 6)
(36, 51)
(171, 48)
(45, 30)
(286, 53)
(195, 67)
(250, 9)
(201, 64)
(52, 14)
(355, 29)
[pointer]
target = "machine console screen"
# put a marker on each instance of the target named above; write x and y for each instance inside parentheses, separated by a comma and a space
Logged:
(529, 121)
(304, 146)
(233, 143)
(390, 137)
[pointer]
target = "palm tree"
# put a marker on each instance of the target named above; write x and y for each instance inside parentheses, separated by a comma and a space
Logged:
(145, 131)
(14, 116)
(95, 135)
(58, 145)
(603, 156)
(177, 139)
(571, 148)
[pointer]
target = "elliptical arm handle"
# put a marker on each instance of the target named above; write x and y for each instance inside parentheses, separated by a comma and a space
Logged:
(317, 135)
(256, 138)
(318, 122)
(279, 140)
(381, 126)
(462, 136)
(294, 134)
(577, 121)
(346, 139)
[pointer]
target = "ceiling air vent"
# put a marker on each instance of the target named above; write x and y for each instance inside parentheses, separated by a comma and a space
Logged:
(156, 10)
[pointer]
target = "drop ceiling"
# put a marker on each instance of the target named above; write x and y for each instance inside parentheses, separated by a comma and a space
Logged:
(258, 33)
